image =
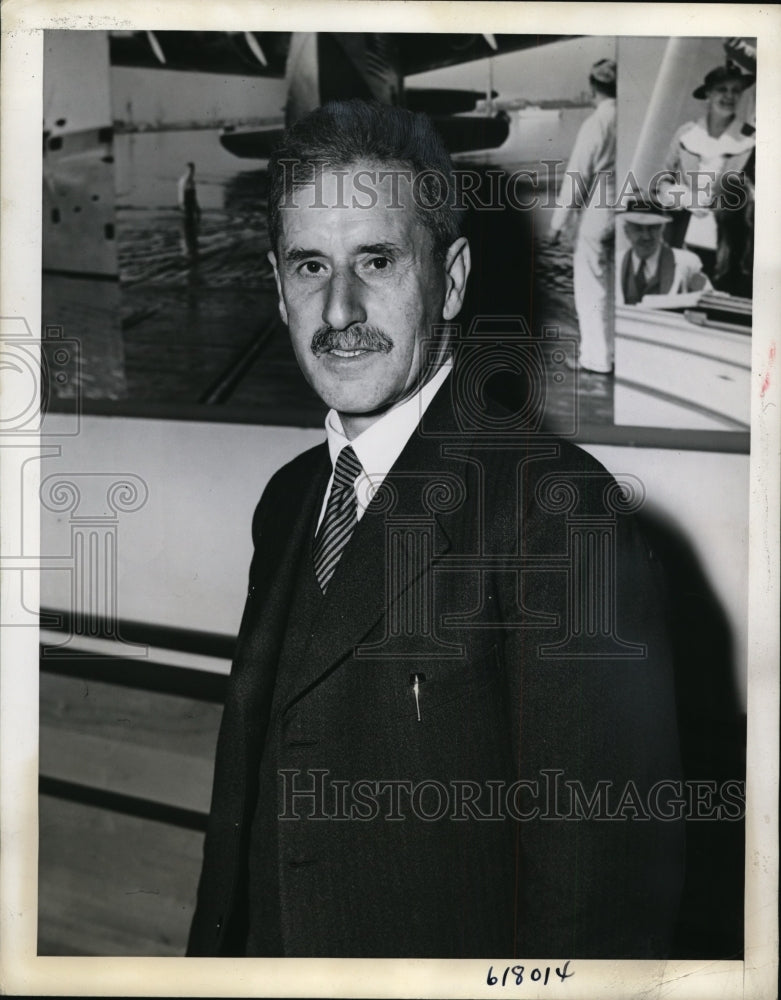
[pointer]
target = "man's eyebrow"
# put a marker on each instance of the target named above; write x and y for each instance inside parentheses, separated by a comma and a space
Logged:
(387, 249)
(296, 254)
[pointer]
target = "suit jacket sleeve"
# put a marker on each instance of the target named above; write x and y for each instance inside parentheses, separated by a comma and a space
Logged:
(600, 873)
(215, 928)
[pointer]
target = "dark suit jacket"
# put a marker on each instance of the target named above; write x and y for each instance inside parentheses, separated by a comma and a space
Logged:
(531, 607)
(661, 283)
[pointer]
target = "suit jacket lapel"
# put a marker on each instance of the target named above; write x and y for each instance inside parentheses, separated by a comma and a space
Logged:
(289, 531)
(367, 584)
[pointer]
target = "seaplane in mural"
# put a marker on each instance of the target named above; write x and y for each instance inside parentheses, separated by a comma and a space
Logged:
(655, 346)
(322, 66)
(93, 137)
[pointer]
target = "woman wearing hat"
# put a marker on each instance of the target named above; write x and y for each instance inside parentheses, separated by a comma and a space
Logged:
(700, 154)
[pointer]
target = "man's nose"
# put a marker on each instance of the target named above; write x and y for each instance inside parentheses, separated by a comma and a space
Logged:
(344, 301)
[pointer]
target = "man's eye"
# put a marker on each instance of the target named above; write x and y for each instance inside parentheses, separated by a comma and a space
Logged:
(378, 263)
(311, 267)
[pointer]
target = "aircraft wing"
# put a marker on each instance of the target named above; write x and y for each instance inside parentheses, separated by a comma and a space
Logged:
(263, 53)
(243, 53)
(252, 143)
(327, 66)
(421, 52)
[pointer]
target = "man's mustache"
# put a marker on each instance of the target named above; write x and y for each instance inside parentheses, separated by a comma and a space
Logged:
(356, 338)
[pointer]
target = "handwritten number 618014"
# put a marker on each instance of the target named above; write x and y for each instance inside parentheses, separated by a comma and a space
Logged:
(517, 972)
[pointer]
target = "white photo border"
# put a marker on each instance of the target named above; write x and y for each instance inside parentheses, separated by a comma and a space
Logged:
(22, 972)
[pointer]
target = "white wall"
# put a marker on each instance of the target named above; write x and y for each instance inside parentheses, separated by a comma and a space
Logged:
(183, 557)
(705, 497)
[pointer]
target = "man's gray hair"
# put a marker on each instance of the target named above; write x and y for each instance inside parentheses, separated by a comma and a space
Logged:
(344, 133)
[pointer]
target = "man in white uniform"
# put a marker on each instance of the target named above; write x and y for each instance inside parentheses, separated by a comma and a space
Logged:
(588, 188)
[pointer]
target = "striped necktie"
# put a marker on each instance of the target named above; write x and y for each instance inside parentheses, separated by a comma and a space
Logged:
(340, 517)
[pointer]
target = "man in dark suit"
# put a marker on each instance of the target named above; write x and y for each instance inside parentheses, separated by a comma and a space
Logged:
(450, 713)
(650, 266)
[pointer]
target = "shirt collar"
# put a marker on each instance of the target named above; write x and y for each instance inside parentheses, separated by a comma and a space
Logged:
(382, 442)
(651, 263)
(696, 139)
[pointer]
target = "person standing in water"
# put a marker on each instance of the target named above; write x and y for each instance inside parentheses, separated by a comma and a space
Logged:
(188, 205)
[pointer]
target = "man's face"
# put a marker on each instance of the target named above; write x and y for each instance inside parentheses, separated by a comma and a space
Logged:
(360, 290)
(644, 238)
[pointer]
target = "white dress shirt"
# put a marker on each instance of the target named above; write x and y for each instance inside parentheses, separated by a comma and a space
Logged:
(687, 277)
(382, 442)
(651, 264)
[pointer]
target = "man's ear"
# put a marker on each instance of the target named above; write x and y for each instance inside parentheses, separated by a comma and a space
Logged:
(458, 263)
(272, 258)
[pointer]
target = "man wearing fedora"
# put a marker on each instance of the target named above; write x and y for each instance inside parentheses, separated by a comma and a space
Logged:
(650, 266)
(588, 189)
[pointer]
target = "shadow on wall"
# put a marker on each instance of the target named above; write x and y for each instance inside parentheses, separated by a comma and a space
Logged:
(712, 731)
(501, 282)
